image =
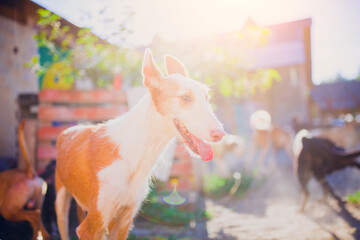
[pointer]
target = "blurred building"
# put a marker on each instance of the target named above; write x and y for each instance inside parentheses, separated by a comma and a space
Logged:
(17, 27)
(337, 98)
(288, 50)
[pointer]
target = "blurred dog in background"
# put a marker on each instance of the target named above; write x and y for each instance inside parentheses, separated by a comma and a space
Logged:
(318, 158)
(267, 137)
(22, 193)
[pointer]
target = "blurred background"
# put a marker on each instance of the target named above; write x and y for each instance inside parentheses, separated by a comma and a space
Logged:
(278, 71)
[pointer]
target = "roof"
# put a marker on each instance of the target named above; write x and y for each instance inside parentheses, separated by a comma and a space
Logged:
(343, 95)
(286, 45)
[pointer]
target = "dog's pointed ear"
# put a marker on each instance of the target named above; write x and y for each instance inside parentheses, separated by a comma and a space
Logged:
(151, 73)
(173, 65)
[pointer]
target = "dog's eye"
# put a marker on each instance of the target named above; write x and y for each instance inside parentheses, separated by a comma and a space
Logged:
(186, 98)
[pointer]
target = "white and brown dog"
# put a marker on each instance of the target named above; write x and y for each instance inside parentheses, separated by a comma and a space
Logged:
(107, 167)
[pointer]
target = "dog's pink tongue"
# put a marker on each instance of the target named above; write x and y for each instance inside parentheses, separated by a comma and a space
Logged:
(205, 150)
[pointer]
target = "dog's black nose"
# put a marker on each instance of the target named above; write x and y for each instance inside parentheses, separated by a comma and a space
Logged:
(217, 134)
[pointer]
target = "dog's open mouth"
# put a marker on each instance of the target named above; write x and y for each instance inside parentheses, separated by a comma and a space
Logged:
(194, 143)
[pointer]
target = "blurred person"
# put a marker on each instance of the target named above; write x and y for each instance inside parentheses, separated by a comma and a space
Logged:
(267, 138)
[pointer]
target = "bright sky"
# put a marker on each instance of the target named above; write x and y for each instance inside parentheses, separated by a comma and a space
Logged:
(335, 23)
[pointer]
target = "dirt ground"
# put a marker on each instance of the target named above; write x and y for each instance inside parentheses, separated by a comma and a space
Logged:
(271, 212)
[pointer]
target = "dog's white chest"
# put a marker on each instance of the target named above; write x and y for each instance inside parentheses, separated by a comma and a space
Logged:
(116, 189)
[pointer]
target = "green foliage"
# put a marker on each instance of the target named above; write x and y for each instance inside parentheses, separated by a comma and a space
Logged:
(231, 66)
(170, 237)
(226, 86)
(354, 198)
(86, 56)
(218, 187)
(154, 210)
(50, 31)
(134, 237)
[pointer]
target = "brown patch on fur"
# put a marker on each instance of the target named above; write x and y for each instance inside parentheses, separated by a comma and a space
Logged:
(185, 104)
(165, 97)
(120, 224)
(92, 226)
(82, 153)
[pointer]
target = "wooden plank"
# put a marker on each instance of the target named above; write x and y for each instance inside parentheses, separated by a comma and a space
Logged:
(48, 133)
(182, 168)
(75, 96)
(63, 113)
(46, 151)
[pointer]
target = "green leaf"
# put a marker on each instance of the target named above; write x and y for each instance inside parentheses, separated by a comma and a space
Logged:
(43, 12)
(83, 32)
(100, 83)
(209, 80)
(35, 59)
(226, 87)
(65, 28)
(354, 198)
(54, 17)
(274, 75)
(43, 21)
(67, 40)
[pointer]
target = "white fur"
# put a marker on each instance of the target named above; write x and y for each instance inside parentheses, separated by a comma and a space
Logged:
(62, 206)
(115, 188)
(199, 119)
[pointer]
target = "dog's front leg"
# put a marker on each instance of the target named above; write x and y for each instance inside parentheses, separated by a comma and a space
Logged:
(92, 228)
(120, 224)
(326, 189)
(304, 179)
(305, 197)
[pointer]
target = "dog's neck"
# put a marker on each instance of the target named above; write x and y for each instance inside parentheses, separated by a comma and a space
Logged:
(141, 134)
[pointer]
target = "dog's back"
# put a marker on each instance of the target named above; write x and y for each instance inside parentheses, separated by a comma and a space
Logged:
(347, 136)
(316, 158)
(75, 147)
(320, 157)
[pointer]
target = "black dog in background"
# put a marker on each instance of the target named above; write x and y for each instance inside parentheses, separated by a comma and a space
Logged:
(318, 158)
(48, 213)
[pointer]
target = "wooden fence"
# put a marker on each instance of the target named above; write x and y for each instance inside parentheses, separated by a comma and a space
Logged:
(60, 109)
